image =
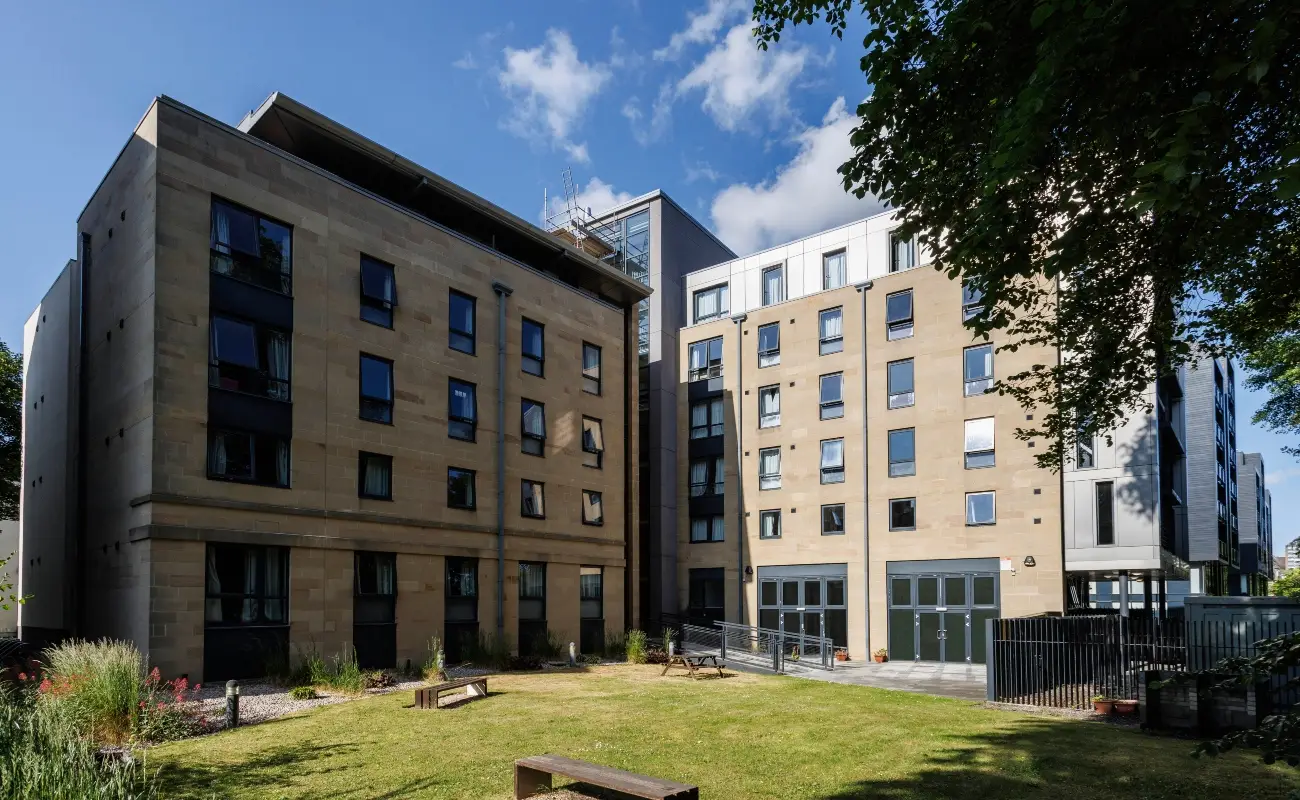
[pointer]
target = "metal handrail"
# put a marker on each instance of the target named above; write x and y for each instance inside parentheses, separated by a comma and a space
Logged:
(770, 646)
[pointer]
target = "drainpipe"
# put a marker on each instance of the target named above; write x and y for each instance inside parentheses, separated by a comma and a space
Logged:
(863, 288)
(502, 292)
(740, 471)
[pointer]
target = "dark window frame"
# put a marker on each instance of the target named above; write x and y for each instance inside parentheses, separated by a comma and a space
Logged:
(363, 399)
(363, 459)
(901, 327)
(830, 345)
(709, 528)
(253, 460)
(826, 408)
(472, 422)
(905, 399)
(386, 600)
(763, 419)
(709, 488)
(282, 277)
(972, 302)
(710, 369)
(844, 522)
(525, 357)
(714, 289)
(378, 306)
(826, 283)
(766, 514)
(278, 389)
(473, 489)
(523, 496)
(1106, 532)
(770, 352)
(913, 253)
(600, 503)
(452, 331)
(762, 287)
(826, 471)
(974, 387)
(711, 423)
(909, 500)
(587, 378)
(259, 595)
(889, 441)
(527, 439)
(593, 449)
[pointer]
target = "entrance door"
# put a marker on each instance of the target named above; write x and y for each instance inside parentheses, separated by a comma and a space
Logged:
(933, 617)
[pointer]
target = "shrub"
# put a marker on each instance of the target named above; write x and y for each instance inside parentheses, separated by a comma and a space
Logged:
(615, 646)
(98, 687)
(435, 664)
(345, 675)
(636, 647)
(169, 710)
(550, 646)
(489, 650)
(303, 693)
(656, 655)
(529, 661)
(377, 679)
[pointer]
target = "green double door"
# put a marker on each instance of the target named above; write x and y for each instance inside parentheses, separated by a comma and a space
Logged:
(940, 617)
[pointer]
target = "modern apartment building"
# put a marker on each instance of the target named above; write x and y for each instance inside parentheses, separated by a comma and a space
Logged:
(844, 468)
(306, 393)
(654, 240)
(1213, 524)
(1256, 567)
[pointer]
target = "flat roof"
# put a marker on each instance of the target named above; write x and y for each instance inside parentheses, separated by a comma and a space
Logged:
(660, 194)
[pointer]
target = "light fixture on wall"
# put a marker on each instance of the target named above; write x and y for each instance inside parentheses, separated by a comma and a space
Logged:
(1029, 561)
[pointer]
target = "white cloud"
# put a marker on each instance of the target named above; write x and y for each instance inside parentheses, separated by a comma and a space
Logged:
(661, 116)
(578, 152)
(465, 62)
(551, 88)
(739, 80)
(804, 197)
(702, 172)
(1275, 476)
(600, 196)
(701, 27)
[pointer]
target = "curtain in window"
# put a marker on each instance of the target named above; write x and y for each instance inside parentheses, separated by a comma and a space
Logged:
(385, 576)
(277, 364)
(698, 357)
(377, 478)
(719, 475)
(249, 612)
(770, 402)
(833, 270)
(832, 325)
(833, 519)
(833, 454)
(700, 416)
(462, 402)
(715, 408)
(533, 499)
(212, 612)
(217, 459)
(221, 239)
(592, 507)
(772, 286)
(282, 462)
(532, 340)
(706, 304)
(534, 419)
(462, 579)
(699, 530)
(589, 585)
(275, 589)
(699, 477)
(532, 580)
(769, 525)
(769, 462)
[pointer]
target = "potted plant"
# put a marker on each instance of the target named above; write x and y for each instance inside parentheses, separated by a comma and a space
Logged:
(1101, 705)
(1125, 706)
(841, 654)
(880, 656)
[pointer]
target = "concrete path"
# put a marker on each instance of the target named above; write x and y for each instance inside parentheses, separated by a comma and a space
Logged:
(962, 681)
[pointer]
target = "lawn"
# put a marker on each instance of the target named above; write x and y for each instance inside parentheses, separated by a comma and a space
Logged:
(747, 736)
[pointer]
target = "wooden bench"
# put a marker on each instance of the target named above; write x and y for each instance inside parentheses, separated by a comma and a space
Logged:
(475, 686)
(693, 665)
(533, 776)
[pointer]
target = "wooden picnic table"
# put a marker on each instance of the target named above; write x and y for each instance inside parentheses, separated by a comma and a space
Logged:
(693, 664)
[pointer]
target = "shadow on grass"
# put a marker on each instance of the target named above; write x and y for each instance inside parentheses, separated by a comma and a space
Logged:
(260, 770)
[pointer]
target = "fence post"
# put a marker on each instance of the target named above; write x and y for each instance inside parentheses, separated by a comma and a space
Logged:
(722, 648)
(990, 680)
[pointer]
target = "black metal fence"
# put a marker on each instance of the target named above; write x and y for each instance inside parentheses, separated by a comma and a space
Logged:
(1066, 661)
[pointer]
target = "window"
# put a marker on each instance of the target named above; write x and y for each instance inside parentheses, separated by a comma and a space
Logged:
(1084, 454)
(532, 435)
(972, 301)
(898, 315)
(532, 607)
(902, 514)
(711, 303)
(378, 292)
(832, 461)
(705, 359)
(462, 410)
(590, 368)
(593, 442)
(832, 396)
(902, 253)
(460, 487)
(707, 529)
(249, 247)
(769, 524)
(1105, 512)
(833, 271)
(375, 476)
(902, 452)
(461, 321)
(773, 285)
(902, 390)
(833, 520)
(830, 331)
(979, 443)
(706, 419)
(719, 476)
(249, 358)
(769, 468)
(707, 587)
(708, 477)
(532, 505)
(980, 508)
(769, 345)
(246, 585)
(593, 513)
(769, 406)
(533, 360)
(978, 369)
(374, 588)
(591, 608)
(246, 457)
(376, 389)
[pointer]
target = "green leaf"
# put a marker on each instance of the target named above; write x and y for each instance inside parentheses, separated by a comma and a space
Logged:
(1041, 13)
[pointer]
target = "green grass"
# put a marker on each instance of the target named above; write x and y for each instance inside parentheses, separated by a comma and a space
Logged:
(743, 737)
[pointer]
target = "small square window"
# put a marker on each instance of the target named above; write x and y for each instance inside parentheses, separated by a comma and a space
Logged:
(532, 428)
(902, 389)
(593, 512)
(769, 468)
(462, 410)
(832, 464)
(590, 368)
(593, 442)
(902, 452)
(832, 396)
(833, 520)
(376, 389)
(981, 508)
(979, 444)
(533, 360)
(460, 488)
(830, 331)
(707, 477)
(532, 504)
(706, 419)
(902, 514)
(769, 524)
(769, 345)
(769, 406)
(978, 369)
(461, 322)
(375, 473)
(378, 292)
(898, 315)
(708, 529)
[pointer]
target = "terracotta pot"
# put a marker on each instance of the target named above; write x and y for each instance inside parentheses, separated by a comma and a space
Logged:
(1125, 706)
(880, 659)
(840, 655)
(1103, 706)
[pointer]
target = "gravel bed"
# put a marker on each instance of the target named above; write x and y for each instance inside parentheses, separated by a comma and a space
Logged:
(262, 700)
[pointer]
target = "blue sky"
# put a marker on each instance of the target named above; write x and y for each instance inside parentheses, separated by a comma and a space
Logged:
(497, 96)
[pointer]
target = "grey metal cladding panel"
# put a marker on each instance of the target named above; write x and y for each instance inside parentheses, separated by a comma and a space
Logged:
(1202, 480)
(805, 570)
(686, 248)
(943, 565)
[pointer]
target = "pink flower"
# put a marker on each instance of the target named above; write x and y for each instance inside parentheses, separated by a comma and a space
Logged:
(22, 676)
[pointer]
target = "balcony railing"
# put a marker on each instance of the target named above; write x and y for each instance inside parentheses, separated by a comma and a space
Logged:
(705, 373)
(247, 380)
(251, 269)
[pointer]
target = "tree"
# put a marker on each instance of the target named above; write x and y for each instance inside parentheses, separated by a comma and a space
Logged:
(11, 430)
(1119, 180)
(1287, 584)
(8, 599)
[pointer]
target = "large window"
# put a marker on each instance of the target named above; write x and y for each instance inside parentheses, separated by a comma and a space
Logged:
(902, 253)
(773, 285)
(252, 248)
(593, 442)
(532, 503)
(972, 301)
(769, 524)
(376, 389)
(832, 469)
(378, 292)
(707, 419)
(711, 303)
(461, 608)
(591, 609)
(833, 520)
(1085, 453)
(834, 274)
(590, 368)
(708, 529)
(769, 345)
(769, 406)
(249, 358)
(1105, 512)
(981, 508)
(461, 322)
(374, 476)
(593, 509)
(706, 590)
(979, 443)
(769, 468)
(830, 331)
(978, 369)
(462, 410)
(460, 488)
(898, 315)
(246, 457)
(246, 585)
(831, 396)
(902, 389)
(533, 360)
(532, 607)
(902, 452)
(374, 588)
(705, 359)
(532, 434)
(708, 476)
(902, 514)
